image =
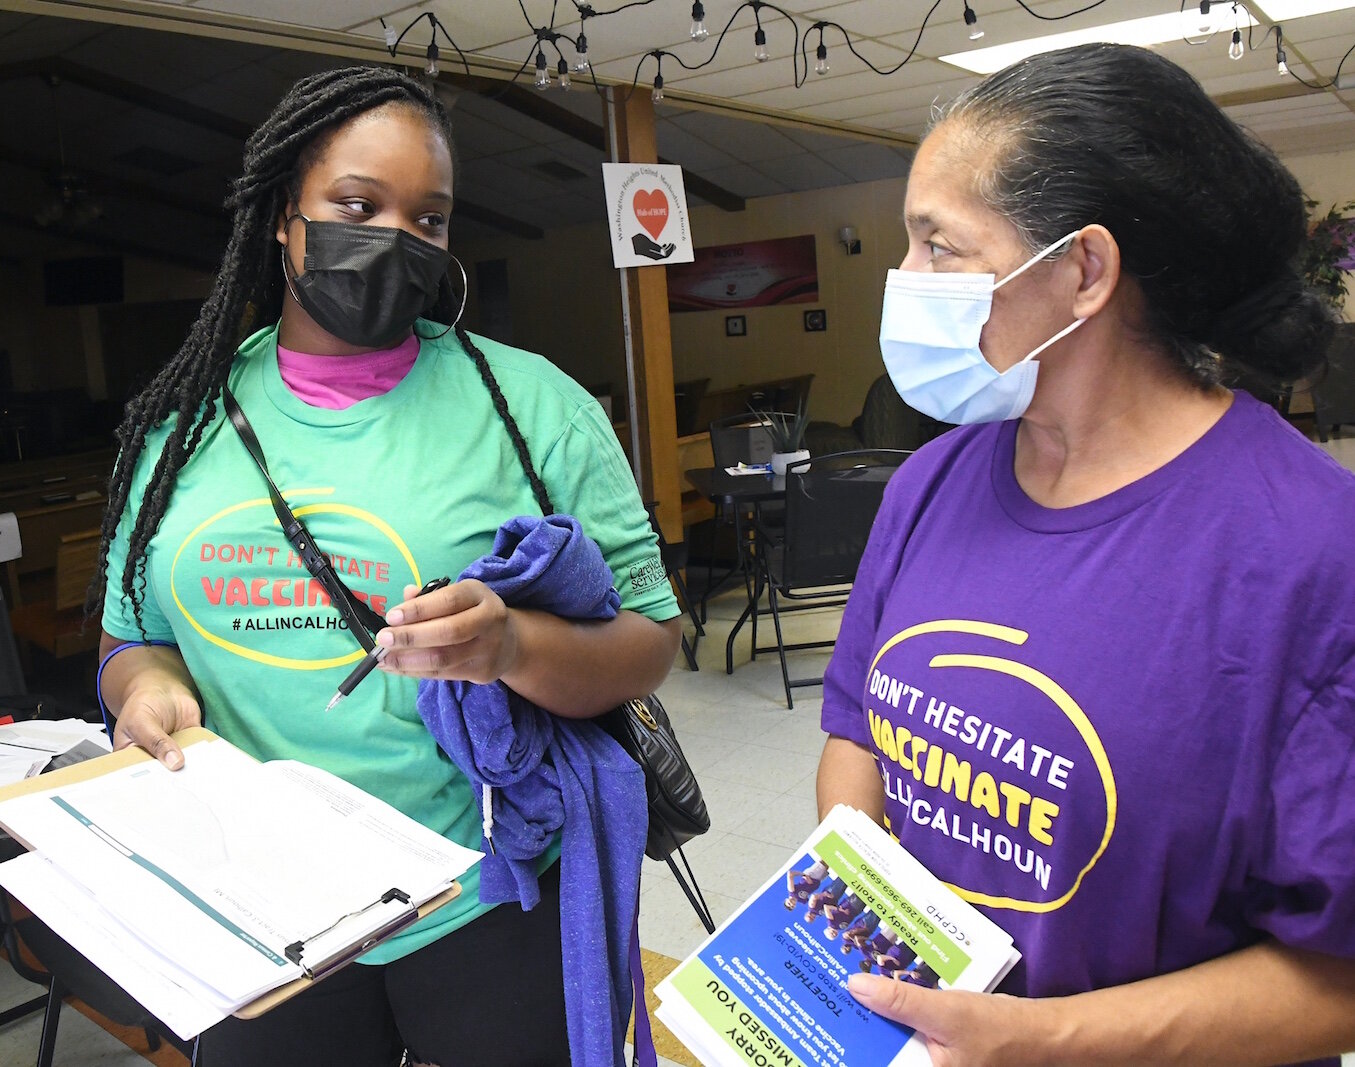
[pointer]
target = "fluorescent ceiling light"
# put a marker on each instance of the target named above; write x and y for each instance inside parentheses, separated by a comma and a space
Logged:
(1284, 10)
(1155, 29)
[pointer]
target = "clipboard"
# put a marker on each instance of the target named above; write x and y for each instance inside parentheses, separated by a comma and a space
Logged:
(316, 968)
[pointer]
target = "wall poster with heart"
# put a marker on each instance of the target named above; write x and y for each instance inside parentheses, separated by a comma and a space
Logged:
(783, 270)
(647, 214)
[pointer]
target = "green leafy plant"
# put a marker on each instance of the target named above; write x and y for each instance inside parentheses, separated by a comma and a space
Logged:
(786, 428)
(1328, 253)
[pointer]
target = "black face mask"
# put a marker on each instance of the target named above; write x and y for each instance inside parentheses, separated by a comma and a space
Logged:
(365, 284)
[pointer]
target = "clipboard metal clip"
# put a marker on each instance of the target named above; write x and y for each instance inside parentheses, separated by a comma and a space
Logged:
(345, 954)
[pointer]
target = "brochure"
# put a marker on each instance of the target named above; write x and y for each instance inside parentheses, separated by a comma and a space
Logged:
(770, 985)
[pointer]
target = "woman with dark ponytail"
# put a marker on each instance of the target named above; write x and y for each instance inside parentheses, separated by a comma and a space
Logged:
(402, 443)
(1098, 669)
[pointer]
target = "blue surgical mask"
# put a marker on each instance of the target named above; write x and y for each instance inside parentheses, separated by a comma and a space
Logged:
(929, 337)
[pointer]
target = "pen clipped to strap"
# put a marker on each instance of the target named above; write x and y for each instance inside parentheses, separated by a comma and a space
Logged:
(348, 938)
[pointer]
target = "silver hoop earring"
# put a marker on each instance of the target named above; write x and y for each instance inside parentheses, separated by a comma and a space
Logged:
(460, 311)
(286, 274)
(465, 290)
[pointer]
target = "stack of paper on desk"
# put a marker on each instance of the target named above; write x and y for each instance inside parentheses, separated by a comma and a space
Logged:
(770, 985)
(199, 890)
(28, 748)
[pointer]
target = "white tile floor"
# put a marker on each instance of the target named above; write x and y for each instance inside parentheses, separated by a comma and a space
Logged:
(756, 762)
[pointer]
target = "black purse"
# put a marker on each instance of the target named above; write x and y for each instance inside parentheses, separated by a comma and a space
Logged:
(677, 811)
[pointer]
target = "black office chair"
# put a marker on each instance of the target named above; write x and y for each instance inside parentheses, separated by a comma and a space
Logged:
(831, 503)
(1334, 391)
(674, 563)
(68, 972)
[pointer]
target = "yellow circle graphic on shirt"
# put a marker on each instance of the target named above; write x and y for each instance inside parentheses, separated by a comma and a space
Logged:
(308, 509)
(1058, 696)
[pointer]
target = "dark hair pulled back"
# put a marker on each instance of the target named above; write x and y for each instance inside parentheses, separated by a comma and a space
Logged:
(248, 289)
(1207, 219)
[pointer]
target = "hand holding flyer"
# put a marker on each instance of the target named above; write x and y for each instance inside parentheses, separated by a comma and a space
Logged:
(770, 985)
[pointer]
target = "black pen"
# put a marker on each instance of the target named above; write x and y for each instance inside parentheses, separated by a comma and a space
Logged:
(376, 655)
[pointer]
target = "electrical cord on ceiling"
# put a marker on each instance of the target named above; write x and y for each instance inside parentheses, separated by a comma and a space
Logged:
(548, 37)
(822, 56)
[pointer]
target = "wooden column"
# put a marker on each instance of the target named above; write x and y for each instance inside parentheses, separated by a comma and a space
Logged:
(649, 344)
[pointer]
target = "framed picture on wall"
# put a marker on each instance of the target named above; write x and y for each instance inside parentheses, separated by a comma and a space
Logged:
(816, 321)
(735, 325)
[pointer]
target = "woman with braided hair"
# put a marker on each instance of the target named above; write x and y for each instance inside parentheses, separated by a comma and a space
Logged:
(403, 443)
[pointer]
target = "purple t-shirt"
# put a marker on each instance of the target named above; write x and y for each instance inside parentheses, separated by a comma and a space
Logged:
(1125, 729)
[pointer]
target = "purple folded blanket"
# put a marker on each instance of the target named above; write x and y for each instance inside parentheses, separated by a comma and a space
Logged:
(552, 774)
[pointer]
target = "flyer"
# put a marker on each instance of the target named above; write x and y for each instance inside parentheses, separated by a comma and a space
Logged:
(770, 985)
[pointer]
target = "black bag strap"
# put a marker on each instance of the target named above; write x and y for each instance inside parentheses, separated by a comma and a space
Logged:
(361, 619)
(693, 892)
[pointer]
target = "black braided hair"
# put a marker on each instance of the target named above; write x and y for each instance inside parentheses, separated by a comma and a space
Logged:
(543, 500)
(248, 289)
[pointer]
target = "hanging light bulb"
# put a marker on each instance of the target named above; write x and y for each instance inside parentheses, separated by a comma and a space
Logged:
(1200, 19)
(657, 94)
(542, 74)
(390, 34)
(760, 52)
(821, 59)
(1281, 60)
(432, 68)
(581, 64)
(698, 32)
(562, 73)
(1235, 49)
(971, 19)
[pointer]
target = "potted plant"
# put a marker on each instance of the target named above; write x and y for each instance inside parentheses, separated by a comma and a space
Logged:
(1328, 254)
(787, 431)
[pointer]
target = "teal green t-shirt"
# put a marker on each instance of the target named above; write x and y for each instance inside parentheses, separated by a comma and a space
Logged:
(397, 489)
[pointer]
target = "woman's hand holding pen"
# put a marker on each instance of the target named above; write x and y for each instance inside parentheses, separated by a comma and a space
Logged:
(462, 632)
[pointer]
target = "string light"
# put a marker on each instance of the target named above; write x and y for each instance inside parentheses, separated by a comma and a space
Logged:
(1206, 23)
(971, 19)
(698, 32)
(548, 36)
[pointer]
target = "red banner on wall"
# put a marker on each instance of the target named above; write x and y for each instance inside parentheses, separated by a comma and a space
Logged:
(752, 274)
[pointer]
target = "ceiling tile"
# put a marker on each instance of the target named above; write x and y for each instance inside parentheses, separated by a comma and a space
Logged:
(692, 151)
(743, 180)
(325, 14)
(868, 162)
(755, 141)
(802, 172)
